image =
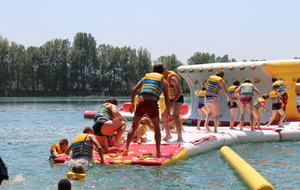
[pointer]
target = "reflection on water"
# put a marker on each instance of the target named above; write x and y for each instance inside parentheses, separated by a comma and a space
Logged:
(30, 125)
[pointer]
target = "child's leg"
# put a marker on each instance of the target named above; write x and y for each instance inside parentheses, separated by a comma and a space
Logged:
(272, 117)
(282, 117)
(199, 119)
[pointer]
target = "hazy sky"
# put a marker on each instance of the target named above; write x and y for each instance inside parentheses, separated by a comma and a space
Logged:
(243, 29)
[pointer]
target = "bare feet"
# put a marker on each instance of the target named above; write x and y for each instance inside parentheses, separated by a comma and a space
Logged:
(207, 127)
(198, 128)
(125, 152)
(215, 131)
(280, 126)
(232, 128)
(179, 140)
(158, 154)
(117, 145)
(166, 138)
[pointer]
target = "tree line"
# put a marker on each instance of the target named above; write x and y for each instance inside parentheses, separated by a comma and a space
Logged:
(61, 68)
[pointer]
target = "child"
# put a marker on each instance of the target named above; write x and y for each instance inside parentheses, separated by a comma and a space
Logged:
(58, 150)
(139, 135)
(233, 104)
(78, 172)
(201, 106)
(276, 106)
(245, 92)
(64, 184)
(258, 106)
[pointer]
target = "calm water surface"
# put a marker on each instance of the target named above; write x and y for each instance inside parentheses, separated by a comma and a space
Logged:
(30, 125)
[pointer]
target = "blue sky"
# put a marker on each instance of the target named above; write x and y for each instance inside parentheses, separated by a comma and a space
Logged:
(256, 29)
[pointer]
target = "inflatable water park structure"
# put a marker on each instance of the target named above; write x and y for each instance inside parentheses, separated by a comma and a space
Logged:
(198, 141)
(260, 73)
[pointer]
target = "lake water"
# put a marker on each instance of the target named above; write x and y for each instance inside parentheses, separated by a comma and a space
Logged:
(29, 126)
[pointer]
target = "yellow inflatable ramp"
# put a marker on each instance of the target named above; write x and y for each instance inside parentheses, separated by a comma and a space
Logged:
(250, 175)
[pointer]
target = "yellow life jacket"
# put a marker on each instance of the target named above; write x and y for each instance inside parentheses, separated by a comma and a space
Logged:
(80, 148)
(104, 112)
(213, 84)
(76, 176)
(201, 95)
(231, 91)
(57, 147)
(274, 97)
(152, 84)
(144, 128)
(172, 90)
(282, 87)
(247, 88)
(258, 104)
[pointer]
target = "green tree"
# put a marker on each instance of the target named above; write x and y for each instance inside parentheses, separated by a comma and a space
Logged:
(83, 60)
(16, 57)
(4, 64)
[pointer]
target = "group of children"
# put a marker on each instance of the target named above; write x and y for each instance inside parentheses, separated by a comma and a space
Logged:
(242, 95)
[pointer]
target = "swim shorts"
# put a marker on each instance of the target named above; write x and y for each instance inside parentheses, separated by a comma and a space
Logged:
(209, 99)
(276, 106)
(245, 100)
(180, 99)
(149, 107)
(234, 105)
(97, 127)
(200, 106)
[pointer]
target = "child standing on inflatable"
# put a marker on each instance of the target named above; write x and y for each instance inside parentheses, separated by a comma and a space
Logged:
(213, 85)
(201, 106)
(276, 105)
(258, 106)
(245, 93)
(283, 91)
(233, 105)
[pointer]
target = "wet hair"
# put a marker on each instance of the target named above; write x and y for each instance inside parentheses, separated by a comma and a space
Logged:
(274, 79)
(158, 68)
(78, 168)
(247, 80)
(220, 73)
(266, 96)
(88, 129)
(63, 140)
(64, 184)
(236, 83)
(112, 101)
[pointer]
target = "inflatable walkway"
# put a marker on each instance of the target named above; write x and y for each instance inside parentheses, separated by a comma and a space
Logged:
(196, 142)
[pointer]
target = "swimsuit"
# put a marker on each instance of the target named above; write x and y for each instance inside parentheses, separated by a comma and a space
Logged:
(149, 107)
(234, 105)
(180, 99)
(200, 106)
(97, 127)
(210, 99)
(276, 106)
(245, 99)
